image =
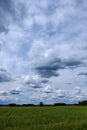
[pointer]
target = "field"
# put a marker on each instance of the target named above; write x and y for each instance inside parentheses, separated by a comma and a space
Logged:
(43, 118)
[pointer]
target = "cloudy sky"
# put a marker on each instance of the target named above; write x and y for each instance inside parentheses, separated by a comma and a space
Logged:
(43, 51)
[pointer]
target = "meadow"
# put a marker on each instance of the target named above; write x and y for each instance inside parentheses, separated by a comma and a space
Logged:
(43, 118)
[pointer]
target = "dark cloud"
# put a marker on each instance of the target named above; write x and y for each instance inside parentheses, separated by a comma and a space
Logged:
(36, 86)
(44, 81)
(6, 5)
(14, 91)
(48, 91)
(83, 73)
(6, 10)
(47, 73)
(73, 63)
(4, 76)
(9, 12)
(3, 93)
(50, 69)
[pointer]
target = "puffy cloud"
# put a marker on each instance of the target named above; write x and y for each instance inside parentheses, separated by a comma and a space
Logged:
(16, 91)
(60, 93)
(33, 81)
(47, 89)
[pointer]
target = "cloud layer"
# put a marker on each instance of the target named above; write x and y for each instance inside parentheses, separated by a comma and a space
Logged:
(43, 51)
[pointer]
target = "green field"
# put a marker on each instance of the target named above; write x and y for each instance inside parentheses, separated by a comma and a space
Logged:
(43, 118)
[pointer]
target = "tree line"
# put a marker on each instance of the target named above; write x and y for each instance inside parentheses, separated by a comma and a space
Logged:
(81, 103)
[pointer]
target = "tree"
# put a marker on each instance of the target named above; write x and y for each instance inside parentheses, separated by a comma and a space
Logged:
(83, 102)
(41, 103)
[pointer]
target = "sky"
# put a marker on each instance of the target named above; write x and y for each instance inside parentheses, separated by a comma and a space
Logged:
(43, 51)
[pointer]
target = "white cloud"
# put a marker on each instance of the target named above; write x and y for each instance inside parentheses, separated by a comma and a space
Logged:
(60, 93)
(47, 89)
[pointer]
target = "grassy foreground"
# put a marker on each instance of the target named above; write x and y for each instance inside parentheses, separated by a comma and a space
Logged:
(43, 118)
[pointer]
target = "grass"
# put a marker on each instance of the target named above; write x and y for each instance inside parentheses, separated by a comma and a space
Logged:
(43, 118)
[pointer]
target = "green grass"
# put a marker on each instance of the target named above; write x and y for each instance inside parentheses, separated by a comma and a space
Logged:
(43, 118)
